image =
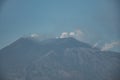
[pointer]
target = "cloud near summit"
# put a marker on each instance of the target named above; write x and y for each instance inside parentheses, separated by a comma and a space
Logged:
(111, 45)
(78, 34)
(34, 35)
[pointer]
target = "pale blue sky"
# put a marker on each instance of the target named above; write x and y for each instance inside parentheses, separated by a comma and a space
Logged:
(98, 19)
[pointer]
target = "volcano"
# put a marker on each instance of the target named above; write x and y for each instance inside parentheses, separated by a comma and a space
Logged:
(57, 59)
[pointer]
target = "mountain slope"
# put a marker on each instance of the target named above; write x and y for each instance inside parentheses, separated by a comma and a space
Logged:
(57, 59)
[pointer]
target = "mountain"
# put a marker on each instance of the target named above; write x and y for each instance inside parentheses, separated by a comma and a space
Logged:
(57, 59)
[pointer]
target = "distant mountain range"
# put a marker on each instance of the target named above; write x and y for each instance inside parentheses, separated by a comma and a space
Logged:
(57, 59)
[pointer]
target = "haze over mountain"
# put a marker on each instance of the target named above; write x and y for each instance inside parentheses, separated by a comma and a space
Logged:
(57, 59)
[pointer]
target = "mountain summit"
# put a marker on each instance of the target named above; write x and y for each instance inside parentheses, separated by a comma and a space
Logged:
(57, 59)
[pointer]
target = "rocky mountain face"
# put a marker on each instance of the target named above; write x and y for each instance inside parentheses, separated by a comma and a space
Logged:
(57, 59)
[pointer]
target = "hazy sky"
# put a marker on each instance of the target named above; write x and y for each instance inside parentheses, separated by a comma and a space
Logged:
(97, 19)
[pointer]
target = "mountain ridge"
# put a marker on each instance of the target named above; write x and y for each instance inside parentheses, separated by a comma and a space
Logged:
(57, 59)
